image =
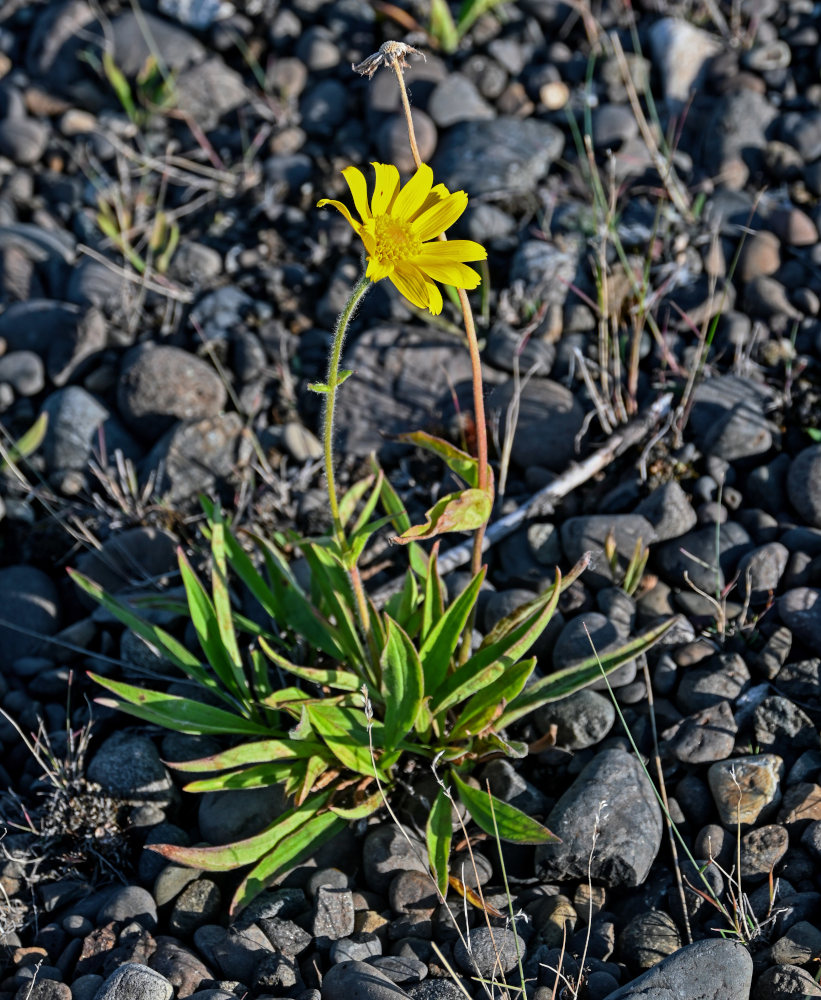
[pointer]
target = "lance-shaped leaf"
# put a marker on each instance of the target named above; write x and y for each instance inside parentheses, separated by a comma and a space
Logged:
(342, 680)
(402, 682)
(223, 609)
(492, 658)
(225, 858)
(565, 682)
(344, 732)
(171, 648)
(511, 823)
(206, 624)
(443, 638)
(392, 505)
(258, 752)
(438, 834)
(465, 510)
(173, 712)
(299, 846)
(254, 776)
(367, 807)
(465, 466)
(489, 703)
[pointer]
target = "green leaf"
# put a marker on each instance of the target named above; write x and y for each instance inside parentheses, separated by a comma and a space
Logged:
(204, 619)
(512, 824)
(465, 510)
(344, 732)
(438, 834)
(245, 852)
(223, 610)
(360, 538)
(402, 684)
(365, 808)
(459, 462)
(259, 752)
(565, 682)
(442, 27)
(334, 587)
(814, 433)
(120, 85)
(402, 607)
(471, 11)
(27, 444)
(463, 683)
(302, 844)
(342, 680)
(505, 644)
(255, 776)
(352, 497)
(170, 647)
(489, 702)
(443, 639)
(433, 603)
(283, 599)
(392, 505)
(173, 712)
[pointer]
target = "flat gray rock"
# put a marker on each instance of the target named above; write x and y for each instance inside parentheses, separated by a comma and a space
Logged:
(506, 156)
(706, 970)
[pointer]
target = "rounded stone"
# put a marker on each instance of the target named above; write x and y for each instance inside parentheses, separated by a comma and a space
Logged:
(29, 599)
(161, 384)
(746, 789)
(804, 484)
(135, 982)
(582, 720)
(549, 418)
(489, 950)
(649, 938)
(761, 850)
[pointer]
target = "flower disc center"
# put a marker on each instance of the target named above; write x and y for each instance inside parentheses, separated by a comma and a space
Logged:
(395, 240)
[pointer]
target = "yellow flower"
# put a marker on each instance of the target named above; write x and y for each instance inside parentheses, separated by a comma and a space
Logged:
(400, 227)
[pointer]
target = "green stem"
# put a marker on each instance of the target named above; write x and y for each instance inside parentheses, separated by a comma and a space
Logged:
(332, 384)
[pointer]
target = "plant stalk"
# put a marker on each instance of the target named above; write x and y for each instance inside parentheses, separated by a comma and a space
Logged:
(332, 383)
(483, 473)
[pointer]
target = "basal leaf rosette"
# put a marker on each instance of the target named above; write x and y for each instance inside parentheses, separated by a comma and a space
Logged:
(400, 226)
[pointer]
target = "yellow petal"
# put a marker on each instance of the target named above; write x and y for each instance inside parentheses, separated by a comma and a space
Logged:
(437, 219)
(411, 283)
(356, 226)
(454, 250)
(376, 270)
(359, 190)
(385, 188)
(451, 272)
(434, 298)
(437, 193)
(412, 196)
(366, 234)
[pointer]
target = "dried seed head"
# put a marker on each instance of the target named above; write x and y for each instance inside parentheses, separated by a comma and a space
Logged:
(390, 54)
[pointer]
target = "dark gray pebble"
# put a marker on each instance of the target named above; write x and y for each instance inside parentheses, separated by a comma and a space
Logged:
(160, 385)
(706, 970)
(489, 950)
(359, 981)
(128, 766)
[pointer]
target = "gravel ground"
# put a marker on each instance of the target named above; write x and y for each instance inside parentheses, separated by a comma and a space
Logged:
(167, 289)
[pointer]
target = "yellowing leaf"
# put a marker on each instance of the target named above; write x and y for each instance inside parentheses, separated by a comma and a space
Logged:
(462, 511)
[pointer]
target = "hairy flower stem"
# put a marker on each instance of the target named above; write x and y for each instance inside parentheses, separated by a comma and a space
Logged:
(483, 474)
(331, 385)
